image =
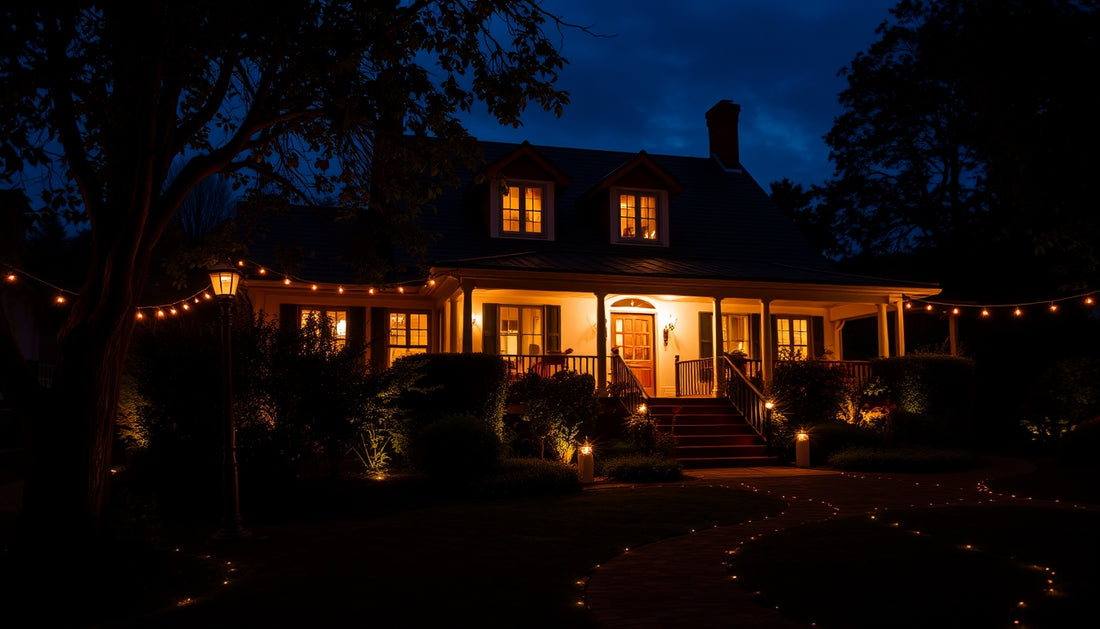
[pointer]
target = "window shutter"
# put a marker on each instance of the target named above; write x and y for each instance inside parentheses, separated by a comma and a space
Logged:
(489, 328)
(357, 326)
(817, 336)
(288, 318)
(706, 334)
(553, 329)
(379, 338)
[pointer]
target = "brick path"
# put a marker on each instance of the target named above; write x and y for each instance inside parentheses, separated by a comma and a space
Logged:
(682, 582)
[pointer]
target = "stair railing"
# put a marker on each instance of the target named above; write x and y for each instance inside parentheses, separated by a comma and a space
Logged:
(625, 385)
(748, 399)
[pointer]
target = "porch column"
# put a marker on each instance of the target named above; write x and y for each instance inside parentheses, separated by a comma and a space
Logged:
(900, 324)
(467, 316)
(601, 344)
(719, 349)
(883, 332)
(767, 348)
(838, 338)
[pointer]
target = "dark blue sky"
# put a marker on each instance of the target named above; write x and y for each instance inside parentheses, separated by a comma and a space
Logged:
(649, 86)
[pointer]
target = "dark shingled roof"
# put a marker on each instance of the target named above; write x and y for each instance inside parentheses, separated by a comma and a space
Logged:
(722, 225)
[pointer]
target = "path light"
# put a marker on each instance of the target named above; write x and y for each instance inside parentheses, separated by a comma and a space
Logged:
(802, 449)
(585, 462)
(224, 280)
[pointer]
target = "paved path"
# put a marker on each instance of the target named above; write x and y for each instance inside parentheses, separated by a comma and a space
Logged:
(682, 582)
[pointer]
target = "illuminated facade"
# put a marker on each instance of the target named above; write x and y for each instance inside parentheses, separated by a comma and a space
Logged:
(551, 256)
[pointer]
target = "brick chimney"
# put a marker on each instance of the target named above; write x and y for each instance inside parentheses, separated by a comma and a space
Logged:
(722, 129)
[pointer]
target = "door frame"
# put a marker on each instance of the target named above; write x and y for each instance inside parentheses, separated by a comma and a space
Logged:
(638, 311)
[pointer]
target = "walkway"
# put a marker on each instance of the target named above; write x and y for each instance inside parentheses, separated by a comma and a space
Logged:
(682, 582)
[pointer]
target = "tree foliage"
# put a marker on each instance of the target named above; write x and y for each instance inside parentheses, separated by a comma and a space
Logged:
(967, 129)
(113, 112)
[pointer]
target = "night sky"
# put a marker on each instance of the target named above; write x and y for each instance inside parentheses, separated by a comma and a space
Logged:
(649, 86)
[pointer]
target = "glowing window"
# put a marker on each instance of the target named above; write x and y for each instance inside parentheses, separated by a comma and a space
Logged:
(408, 334)
(521, 210)
(792, 338)
(521, 331)
(637, 216)
(335, 321)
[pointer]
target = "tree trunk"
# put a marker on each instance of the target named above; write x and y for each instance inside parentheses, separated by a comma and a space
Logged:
(71, 432)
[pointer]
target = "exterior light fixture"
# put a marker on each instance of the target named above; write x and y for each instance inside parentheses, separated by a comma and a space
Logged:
(585, 462)
(224, 280)
(670, 325)
(802, 449)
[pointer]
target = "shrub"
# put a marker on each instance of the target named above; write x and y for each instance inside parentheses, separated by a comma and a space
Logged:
(647, 437)
(1079, 444)
(525, 477)
(933, 396)
(643, 468)
(458, 448)
(809, 392)
(826, 439)
(554, 411)
(1063, 396)
(907, 459)
(453, 384)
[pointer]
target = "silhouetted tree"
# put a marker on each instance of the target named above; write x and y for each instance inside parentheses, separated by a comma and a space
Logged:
(968, 129)
(103, 99)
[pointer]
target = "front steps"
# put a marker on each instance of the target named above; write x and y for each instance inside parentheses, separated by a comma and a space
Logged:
(710, 432)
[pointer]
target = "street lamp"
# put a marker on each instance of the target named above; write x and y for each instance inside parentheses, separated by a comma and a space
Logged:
(224, 280)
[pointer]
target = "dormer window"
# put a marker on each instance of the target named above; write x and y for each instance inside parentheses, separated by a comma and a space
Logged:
(523, 209)
(640, 216)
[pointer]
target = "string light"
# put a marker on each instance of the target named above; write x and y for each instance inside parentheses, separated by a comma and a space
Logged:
(60, 299)
(11, 277)
(1017, 311)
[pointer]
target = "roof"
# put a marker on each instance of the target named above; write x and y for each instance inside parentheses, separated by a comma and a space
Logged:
(722, 225)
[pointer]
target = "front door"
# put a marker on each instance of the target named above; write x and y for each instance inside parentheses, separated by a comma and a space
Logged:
(633, 337)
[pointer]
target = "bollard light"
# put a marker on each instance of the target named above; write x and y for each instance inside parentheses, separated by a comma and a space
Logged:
(802, 449)
(585, 463)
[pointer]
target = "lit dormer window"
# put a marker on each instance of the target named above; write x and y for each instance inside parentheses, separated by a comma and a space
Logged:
(521, 210)
(640, 216)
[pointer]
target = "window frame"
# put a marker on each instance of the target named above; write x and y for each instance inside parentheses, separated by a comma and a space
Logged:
(662, 219)
(407, 346)
(496, 213)
(327, 312)
(806, 354)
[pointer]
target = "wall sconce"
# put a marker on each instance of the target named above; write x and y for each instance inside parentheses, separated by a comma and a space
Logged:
(476, 319)
(670, 325)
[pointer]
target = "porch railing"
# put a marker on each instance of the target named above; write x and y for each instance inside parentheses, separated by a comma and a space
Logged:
(625, 385)
(748, 399)
(550, 364)
(695, 377)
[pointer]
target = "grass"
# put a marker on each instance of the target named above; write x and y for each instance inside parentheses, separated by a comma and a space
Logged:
(499, 563)
(959, 566)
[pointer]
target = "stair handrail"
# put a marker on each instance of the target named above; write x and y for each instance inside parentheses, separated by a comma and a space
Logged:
(625, 385)
(748, 399)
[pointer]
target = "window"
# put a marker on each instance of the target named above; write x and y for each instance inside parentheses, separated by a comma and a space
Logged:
(792, 340)
(735, 333)
(337, 321)
(520, 330)
(639, 217)
(408, 334)
(515, 330)
(521, 210)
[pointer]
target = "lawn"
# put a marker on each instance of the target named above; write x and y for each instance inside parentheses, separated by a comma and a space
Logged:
(496, 564)
(961, 566)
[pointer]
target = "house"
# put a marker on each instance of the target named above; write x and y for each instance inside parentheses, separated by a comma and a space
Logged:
(599, 261)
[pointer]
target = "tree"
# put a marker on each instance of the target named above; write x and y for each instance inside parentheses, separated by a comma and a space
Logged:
(816, 220)
(967, 130)
(122, 109)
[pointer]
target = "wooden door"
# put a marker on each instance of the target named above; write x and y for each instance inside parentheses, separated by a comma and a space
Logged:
(633, 336)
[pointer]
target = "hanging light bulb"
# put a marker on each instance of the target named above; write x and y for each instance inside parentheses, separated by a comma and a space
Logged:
(286, 281)
(1053, 307)
(262, 271)
(139, 316)
(173, 311)
(340, 289)
(60, 299)
(908, 305)
(928, 307)
(313, 287)
(954, 311)
(370, 290)
(401, 289)
(1089, 300)
(1017, 311)
(11, 277)
(985, 312)
(160, 314)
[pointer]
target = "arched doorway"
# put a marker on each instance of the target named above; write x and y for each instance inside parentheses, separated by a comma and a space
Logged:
(632, 334)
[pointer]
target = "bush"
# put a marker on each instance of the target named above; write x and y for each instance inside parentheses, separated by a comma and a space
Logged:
(526, 477)
(826, 439)
(907, 459)
(933, 395)
(647, 437)
(555, 409)
(1079, 445)
(1063, 396)
(453, 384)
(643, 468)
(808, 392)
(458, 448)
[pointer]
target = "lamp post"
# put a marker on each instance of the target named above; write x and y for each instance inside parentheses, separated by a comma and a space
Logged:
(224, 280)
